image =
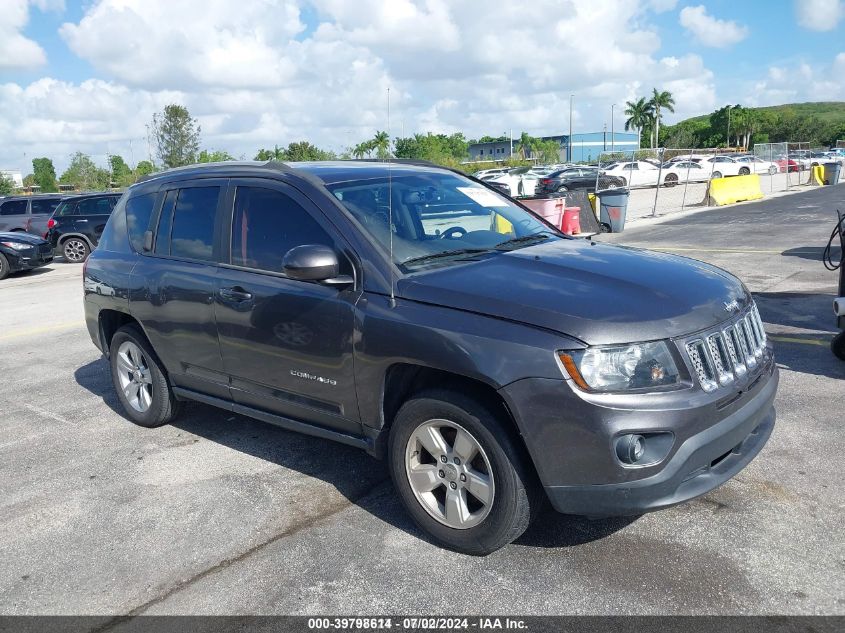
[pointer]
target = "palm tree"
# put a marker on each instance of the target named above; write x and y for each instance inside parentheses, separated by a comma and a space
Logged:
(639, 115)
(525, 145)
(660, 101)
(381, 143)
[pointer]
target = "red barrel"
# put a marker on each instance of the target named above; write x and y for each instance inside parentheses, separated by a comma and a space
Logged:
(571, 222)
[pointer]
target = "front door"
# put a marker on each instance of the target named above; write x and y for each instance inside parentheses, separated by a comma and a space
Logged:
(286, 344)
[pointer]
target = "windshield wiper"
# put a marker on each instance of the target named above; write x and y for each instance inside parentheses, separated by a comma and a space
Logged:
(444, 254)
(525, 239)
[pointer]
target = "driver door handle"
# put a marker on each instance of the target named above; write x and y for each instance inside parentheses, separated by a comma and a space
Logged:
(235, 294)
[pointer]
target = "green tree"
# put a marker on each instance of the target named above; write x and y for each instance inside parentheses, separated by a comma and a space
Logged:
(525, 144)
(7, 185)
(436, 148)
(177, 136)
(381, 144)
(144, 168)
(660, 101)
(84, 174)
(303, 150)
(29, 180)
(45, 174)
(639, 115)
(277, 153)
(214, 156)
(362, 149)
(121, 175)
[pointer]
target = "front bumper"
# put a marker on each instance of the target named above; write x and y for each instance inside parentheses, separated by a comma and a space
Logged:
(575, 460)
(28, 259)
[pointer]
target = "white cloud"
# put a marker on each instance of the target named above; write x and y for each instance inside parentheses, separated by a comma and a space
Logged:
(800, 82)
(819, 15)
(711, 31)
(255, 74)
(16, 50)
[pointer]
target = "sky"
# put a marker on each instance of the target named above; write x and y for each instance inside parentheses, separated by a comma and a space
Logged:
(88, 76)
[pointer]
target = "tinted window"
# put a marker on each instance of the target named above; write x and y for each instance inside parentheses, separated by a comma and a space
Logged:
(139, 209)
(266, 225)
(45, 206)
(65, 208)
(13, 207)
(192, 230)
(94, 206)
(162, 245)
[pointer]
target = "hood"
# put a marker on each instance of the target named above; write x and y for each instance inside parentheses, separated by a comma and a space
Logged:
(598, 293)
(20, 236)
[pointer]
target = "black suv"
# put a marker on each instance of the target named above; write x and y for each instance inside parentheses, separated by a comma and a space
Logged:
(418, 314)
(76, 225)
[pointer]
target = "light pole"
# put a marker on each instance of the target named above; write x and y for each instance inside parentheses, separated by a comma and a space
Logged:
(569, 141)
(612, 134)
(728, 139)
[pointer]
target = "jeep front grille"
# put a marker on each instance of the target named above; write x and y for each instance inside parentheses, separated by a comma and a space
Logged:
(721, 357)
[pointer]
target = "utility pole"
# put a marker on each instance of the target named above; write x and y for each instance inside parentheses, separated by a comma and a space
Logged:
(569, 141)
(604, 139)
(511, 137)
(612, 135)
(149, 146)
(728, 139)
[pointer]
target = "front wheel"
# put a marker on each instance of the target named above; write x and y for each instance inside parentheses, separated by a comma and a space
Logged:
(744, 171)
(5, 269)
(671, 180)
(837, 345)
(460, 474)
(139, 379)
(75, 250)
(563, 189)
(717, 174)
(773, 170)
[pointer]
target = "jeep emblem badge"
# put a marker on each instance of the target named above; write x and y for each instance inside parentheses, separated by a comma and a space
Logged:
(732, 306)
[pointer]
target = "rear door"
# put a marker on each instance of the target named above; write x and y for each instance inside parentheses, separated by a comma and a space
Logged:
(91, 215)
(286, 344)
(175, 297)
(41, 209)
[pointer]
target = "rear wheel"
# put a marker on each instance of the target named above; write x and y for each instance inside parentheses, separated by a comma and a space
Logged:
(773, 170)
(717, 174)
(4, 267)
(75, 250)
(563, 188)
(460, 474)
(140, 380)
(671, 180)
(744, 171)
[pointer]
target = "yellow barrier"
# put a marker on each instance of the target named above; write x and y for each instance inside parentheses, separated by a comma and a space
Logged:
(592, 198)
(733, 189)
(818, 175)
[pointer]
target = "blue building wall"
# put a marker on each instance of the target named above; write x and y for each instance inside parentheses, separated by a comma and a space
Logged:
(586, 147)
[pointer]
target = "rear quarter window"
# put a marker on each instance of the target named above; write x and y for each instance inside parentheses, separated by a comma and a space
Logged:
(139, 210)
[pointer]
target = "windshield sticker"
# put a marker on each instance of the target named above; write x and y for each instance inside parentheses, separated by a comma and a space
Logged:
(484, 197)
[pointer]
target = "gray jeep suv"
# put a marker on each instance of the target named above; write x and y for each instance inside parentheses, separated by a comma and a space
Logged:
(420, 315)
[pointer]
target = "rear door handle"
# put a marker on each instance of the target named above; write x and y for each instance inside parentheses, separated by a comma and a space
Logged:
(235, 294)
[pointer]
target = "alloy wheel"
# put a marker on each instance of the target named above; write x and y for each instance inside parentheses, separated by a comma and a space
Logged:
(449, 474)
(75, 250)
(133, 372)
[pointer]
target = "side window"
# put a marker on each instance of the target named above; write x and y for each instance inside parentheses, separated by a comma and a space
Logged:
(13, 207)
(65, 209)
(192, 228)
(266, 225)
(94, 206)
(138, 212)
(162, 245)
(45, 206)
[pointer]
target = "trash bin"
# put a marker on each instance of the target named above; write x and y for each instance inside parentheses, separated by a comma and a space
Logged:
(831, 173)
(613, 206)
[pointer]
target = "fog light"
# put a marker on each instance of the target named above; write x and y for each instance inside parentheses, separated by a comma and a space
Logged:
(630, 448)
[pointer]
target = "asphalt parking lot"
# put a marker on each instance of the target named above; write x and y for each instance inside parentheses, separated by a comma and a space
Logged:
(221, 514)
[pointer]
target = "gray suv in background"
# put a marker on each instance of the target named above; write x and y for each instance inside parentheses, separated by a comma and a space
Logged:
(420, 315)
(27, 213)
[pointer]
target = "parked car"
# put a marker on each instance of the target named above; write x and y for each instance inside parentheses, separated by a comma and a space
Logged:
(27, 213)
(721, 166)
(683, 171)
(77, 224)
(519, 180)
(490, 368)
(759, 165)
(637, 173)
(21, 251)
(578, 178)
(789, 164)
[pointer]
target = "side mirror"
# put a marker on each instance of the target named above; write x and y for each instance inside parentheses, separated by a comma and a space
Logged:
(311, 262)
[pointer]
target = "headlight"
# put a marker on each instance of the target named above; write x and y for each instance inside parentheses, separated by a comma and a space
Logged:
(620, 368)
(16, 245)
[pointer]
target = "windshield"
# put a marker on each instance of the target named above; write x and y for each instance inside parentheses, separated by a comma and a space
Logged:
(438, 218)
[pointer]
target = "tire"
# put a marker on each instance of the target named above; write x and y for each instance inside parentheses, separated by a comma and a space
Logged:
(716, 174)
(670, 181)
(773, 171)
(744, 171)
(624, 181)
(563, 189)
(5, 269)
(837, 345)
(75, 250)
(476, 525)
(154, 403)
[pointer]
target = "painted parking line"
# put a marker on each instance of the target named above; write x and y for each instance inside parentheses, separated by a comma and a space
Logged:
(41, 330)
(802, 341)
